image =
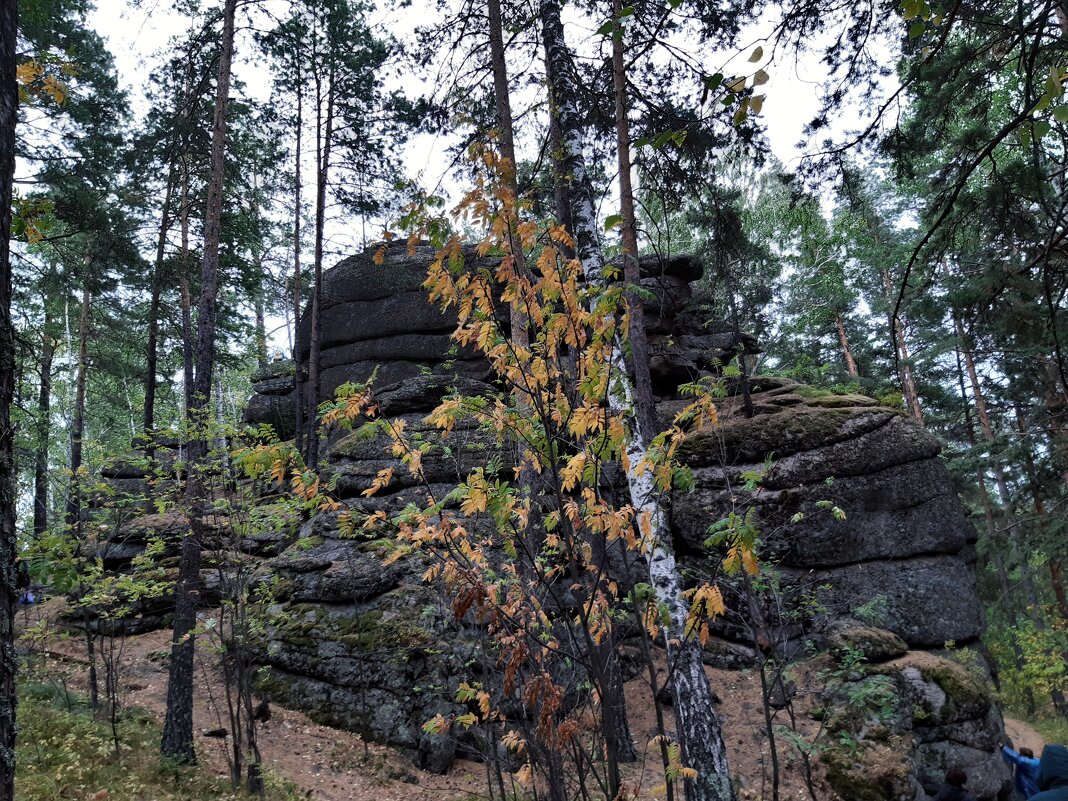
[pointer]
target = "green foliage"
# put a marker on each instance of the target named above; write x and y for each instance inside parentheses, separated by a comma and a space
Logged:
(65, 753)
(1041, 668)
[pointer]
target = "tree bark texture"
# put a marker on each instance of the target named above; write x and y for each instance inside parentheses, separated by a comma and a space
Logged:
(9, 100)
(843, 342)
(44, 430)
(324, 140)
(77, 431)
(639, 341)
(506, 137)
(904, 363)
(177, 741)
(298, 395)
(697, 723)
(152, 346)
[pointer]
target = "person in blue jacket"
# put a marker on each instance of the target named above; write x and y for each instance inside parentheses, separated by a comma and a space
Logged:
(1025, 773)
(1053, 774)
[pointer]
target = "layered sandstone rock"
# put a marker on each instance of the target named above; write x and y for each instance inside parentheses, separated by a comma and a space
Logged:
(361, 642)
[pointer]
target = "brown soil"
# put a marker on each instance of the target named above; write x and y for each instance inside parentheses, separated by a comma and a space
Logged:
(1023, 736)
(327, 764)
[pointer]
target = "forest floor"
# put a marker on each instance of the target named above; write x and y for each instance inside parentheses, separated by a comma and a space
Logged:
(326, 764)
(1023, 735)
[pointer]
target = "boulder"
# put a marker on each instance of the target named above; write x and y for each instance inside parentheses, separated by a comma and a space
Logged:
(858, 525)
(897, 726)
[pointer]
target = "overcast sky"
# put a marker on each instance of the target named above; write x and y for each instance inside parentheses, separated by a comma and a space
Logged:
(135, 34)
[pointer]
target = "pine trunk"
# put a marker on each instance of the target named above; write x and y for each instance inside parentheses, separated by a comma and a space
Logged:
(503, 106)
(44, 430)
(639, 341)
(261, 321)
(298, 396)
(177, 741)
(324, 137)
(186, 300)
(843, 342)
(152, 347)
(9, 100)
(257, 263)
(77, 433)
(696, 720)
(904, 363)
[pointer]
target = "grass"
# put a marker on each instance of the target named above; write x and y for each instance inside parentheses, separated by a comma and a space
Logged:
(65, 753)
(1053, 729)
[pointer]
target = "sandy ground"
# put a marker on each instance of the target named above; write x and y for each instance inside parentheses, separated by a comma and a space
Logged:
(328, 764)
(1023, 735)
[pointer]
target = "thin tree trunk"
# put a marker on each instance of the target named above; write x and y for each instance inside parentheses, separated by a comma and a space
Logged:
(843, 341)
(44, 430)
(257, 263)
(152, 348)
(506, 137)
(177, 741)
(186, 300)
(323, 143)
(1016, 550)
(298, 395)
(639, 341)
(9, 100)
(74, 494)
(261, 321)
(904, 364)
(561, 179)
(1057, 580)
(697, 723)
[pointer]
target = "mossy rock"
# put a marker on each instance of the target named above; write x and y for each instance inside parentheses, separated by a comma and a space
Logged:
(275, 369)
(795, 429)
(871, 771)
(877, 645)
(941, 690)
(376, 631)
(832, 401)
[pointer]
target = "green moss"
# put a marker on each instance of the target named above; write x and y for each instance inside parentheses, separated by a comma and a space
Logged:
(373, 631)
(809, 391)
(877, 645)
(967, 692)
(868, 772)
(276, 369)
(832, 401)
(968, 696)
(793, 430)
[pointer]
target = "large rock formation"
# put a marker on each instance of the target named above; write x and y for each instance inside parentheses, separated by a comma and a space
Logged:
(886, 583)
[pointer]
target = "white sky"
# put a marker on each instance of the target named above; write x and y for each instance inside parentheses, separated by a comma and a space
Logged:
(134, 34)
(137, 33)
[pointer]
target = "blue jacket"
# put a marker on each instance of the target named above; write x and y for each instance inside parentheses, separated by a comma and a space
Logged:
(1026, 776)
(1053, 774)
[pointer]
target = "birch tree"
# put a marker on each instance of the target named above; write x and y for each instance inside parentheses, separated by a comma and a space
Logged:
(699, 732)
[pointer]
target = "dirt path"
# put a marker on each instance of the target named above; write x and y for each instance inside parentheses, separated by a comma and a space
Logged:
(327, 764)
(1023, 736)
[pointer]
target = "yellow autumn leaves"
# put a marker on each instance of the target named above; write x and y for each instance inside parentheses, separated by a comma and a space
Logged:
(39, 80)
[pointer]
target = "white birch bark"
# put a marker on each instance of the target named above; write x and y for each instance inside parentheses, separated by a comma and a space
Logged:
(697, 723)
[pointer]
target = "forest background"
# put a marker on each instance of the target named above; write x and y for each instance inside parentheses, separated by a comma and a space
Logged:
(915, 255)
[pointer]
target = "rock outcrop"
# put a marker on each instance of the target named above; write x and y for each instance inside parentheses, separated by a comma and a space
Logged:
(858, 519)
